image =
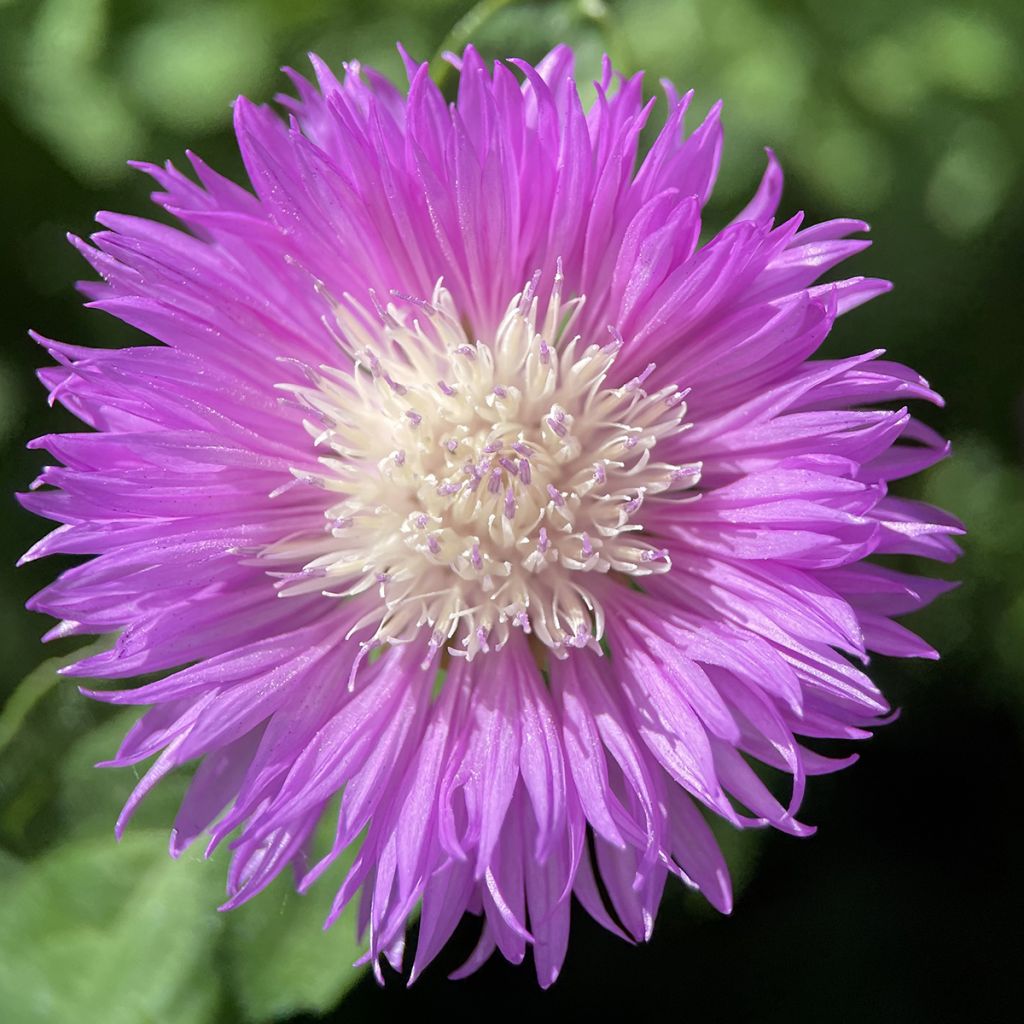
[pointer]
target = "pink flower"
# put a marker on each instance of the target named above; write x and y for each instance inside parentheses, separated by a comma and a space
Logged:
(463, 481)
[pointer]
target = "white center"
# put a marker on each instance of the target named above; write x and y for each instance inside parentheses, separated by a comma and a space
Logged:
(481, 484)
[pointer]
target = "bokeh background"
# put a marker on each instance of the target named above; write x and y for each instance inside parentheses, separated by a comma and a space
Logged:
(906, 906)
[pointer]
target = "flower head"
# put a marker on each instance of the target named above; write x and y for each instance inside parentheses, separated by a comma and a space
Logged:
(474, 502)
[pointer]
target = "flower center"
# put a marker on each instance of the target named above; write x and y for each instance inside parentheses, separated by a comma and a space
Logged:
(482, 486)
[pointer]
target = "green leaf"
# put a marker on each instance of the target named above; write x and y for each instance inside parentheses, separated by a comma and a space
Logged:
(99, 933)
(41, 718)
(35, 686)
(281, 960)
(90, 798)
(9, 866)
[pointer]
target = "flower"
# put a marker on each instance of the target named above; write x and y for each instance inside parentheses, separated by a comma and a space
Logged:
(464, 482)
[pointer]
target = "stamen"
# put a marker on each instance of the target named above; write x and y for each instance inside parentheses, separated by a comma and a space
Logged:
(636, 382)
(555, 496)
(557, 426)
(567, 463)
(654, 556)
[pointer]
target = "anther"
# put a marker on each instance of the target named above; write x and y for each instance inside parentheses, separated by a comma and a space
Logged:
(555, 496)
(632, 505)
(436, 639)
(635, 383)
(654, 555)
(615, 345)
(413, 300)
(556, 425)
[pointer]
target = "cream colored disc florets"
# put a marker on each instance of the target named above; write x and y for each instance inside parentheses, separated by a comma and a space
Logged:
(482, 485)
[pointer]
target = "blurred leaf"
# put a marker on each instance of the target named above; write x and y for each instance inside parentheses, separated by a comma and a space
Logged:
(848, 163)
(179, 68)
(91, 798)
(68, 95)
(969, 51)
(39, 720)
(969, 184)
(28, 693)
(103, 934)
(880, 73)
(281, 960)
(9, 866)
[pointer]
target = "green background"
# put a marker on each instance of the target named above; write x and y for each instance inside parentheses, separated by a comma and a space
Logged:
(906, 905)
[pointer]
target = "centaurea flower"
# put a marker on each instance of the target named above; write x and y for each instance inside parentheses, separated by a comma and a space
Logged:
(462, 480)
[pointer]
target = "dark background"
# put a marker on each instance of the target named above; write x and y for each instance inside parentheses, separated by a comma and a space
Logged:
(906, 905)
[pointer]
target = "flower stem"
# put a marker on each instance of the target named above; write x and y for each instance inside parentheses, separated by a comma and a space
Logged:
(460, 33)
